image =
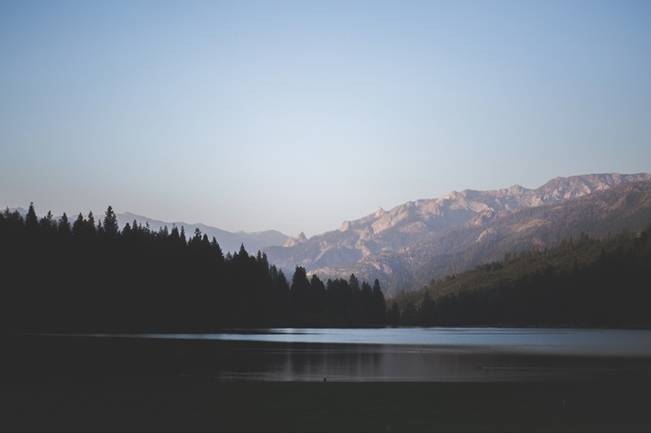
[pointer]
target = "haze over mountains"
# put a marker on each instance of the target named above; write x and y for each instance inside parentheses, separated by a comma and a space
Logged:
(412, 243)
(228, 241)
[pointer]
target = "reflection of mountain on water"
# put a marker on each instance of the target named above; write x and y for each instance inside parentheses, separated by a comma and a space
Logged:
(430, 355)
(307, 362)
(360, 363)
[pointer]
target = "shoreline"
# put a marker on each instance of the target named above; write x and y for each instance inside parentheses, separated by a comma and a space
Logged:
(185, 404)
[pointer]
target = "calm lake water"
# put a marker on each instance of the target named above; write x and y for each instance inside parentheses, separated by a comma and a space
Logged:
(413, 354)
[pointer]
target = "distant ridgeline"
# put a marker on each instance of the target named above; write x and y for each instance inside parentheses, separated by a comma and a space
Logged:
(580, 282)
(59, 276)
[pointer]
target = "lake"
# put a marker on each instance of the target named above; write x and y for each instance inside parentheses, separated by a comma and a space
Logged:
(402, 354)
(407, 379)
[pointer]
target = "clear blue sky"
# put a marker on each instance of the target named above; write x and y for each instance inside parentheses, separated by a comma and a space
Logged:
(298, 115)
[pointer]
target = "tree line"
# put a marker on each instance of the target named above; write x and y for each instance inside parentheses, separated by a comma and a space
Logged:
(584, 282)
(85, 275)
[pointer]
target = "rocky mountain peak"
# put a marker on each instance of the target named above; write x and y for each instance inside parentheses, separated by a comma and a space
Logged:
(300, 239)
(517, 189)
(382, 243)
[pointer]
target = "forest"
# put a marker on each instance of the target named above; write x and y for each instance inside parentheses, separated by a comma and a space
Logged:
(86, 276)
(583, 282)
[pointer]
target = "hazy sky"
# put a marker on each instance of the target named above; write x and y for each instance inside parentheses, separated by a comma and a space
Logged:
(298, 115)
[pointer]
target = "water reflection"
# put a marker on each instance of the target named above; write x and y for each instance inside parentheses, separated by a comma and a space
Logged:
(349, 362)
(413, 354)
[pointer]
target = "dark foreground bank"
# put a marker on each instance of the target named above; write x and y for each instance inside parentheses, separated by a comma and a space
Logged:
(185, 405)
(80, 384)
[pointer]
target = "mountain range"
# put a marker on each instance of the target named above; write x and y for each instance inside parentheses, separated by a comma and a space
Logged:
(409, 245)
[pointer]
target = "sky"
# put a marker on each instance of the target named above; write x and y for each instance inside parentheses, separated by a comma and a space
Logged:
(298, 115)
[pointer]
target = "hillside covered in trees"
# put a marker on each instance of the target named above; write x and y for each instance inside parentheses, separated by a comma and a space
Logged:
(88, 276)
(580, 282)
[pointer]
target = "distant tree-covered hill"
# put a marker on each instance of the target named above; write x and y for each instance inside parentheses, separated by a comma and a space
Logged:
(580, 282)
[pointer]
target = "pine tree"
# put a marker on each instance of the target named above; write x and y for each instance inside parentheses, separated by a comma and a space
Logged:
(379, 304)
(79, 226)
(353, 282)
(299, 294)
(366, 304)
(317, 296)
(47, 221)
(110, 222)
(243, 254)
(64, 224)
(217, 251)
(31, 221)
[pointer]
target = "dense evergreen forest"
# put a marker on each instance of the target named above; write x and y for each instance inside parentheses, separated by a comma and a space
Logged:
(581, 282)
(88, 276)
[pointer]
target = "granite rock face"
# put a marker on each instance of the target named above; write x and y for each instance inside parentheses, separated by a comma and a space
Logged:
(408, 245)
